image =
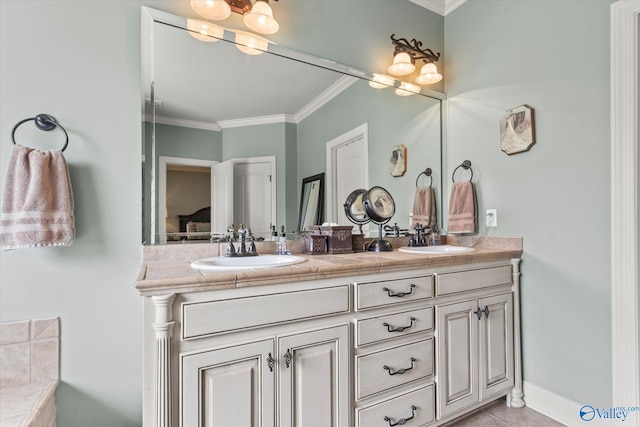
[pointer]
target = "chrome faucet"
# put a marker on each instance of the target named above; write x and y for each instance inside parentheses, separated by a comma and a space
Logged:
(244, 236)
(419, 239)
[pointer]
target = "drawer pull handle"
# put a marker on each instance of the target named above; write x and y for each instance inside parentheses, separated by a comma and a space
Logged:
(399, 371)
(402, 421)
(478, 313)
(399, 328)
(287, 358)
(486, 311)
(270, 362)
(399, 294)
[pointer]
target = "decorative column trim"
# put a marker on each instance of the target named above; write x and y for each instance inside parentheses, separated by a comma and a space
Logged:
(162, 385)
(625, 325)
(515, 399)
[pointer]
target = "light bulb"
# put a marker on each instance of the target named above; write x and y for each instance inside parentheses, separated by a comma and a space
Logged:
(260, 19)
(251, 44)
(204, 31)
(402, 65)
(381, 81)
(428, 74)
(212, 9)
(407, 89)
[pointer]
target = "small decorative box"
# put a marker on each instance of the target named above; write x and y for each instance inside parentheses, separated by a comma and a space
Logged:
(358, 242)
(315, 245)
(339, 239)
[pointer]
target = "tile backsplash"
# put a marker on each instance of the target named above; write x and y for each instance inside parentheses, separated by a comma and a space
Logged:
(29, 352)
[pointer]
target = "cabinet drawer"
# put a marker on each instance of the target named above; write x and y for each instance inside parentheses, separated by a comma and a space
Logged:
(386, 369)
(393, 325)
(376, 294)
(210, 317)
(451, 283)
(393, 411)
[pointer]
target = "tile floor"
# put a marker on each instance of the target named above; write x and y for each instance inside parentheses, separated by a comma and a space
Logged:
(499, 415)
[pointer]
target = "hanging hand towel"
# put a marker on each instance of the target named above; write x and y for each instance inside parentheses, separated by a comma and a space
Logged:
(424, 207)
(37, 205)
(462, 208)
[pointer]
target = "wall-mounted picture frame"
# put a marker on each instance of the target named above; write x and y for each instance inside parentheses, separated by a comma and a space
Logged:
(398, 161)
(517, 132)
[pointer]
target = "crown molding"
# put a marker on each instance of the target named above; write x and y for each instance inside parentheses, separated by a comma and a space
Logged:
(252, 121)
(331, 92)
(441, 7)
(334, 90)
(188, 123)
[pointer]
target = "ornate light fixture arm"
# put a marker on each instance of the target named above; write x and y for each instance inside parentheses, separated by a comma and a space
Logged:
(414, 49)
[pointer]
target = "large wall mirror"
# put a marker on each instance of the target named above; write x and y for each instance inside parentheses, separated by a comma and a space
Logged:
(232, 133)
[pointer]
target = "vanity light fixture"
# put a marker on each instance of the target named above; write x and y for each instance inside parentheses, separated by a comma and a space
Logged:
(381, 81)
(250, 44)
(212, 9)
(407, 89)
(257, 16)
(428, 74)
(204, 31)
(405, 55)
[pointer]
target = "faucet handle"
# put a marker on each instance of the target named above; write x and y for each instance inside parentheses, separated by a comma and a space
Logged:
(231, 250)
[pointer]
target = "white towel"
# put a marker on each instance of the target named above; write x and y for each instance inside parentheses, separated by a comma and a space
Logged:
(462, 209)
(37, 204)
(424, 207)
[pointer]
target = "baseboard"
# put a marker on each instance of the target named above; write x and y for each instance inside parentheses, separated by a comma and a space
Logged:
(560, 408)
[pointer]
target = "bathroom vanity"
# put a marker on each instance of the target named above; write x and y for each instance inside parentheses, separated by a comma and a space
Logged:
(362, 340)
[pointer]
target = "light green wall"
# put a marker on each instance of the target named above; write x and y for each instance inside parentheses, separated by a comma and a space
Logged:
(553, 56)
(391, 120)
(257, 141)
(80, 62)
(176, 141)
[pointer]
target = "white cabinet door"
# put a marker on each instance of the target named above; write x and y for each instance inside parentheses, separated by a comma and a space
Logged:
(230, 387)
(496, 344)
(457, 326)
(314, 378)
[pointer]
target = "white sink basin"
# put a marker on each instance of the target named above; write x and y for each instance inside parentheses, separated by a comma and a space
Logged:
(245, 263)
(442, 249)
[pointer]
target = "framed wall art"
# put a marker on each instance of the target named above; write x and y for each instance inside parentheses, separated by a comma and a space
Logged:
(517, 133)
(398, 161)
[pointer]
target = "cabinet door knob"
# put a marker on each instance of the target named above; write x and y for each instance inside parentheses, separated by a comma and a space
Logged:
(399, 328)
(270, 362)
(486, 311)
(399, 371)
(287, 358)
(478, 313)
(399, 294)
(402, 421)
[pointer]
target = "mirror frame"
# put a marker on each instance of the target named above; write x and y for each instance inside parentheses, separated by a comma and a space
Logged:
(319, 214)
(149, 16)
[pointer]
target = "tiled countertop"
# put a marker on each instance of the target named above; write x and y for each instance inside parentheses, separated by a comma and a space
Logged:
(22, 405)
(166, 269)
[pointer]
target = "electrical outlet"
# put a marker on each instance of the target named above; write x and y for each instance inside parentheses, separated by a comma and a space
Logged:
(492, 218)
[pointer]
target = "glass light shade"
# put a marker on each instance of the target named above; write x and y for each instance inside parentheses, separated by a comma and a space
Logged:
(204, 31)
(407, 89)
(381, 81)
(428, 74)
(402, 65)
(260, 19)
(212, 9)
(251, 44)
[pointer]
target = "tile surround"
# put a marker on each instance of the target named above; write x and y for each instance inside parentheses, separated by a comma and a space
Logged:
(29, 372)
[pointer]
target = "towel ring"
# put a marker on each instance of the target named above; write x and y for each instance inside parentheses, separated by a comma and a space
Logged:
(465, 165)
(426, 172)
(44, 122)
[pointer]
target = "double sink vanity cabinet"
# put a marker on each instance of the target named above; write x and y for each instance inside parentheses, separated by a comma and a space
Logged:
(417, 340)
